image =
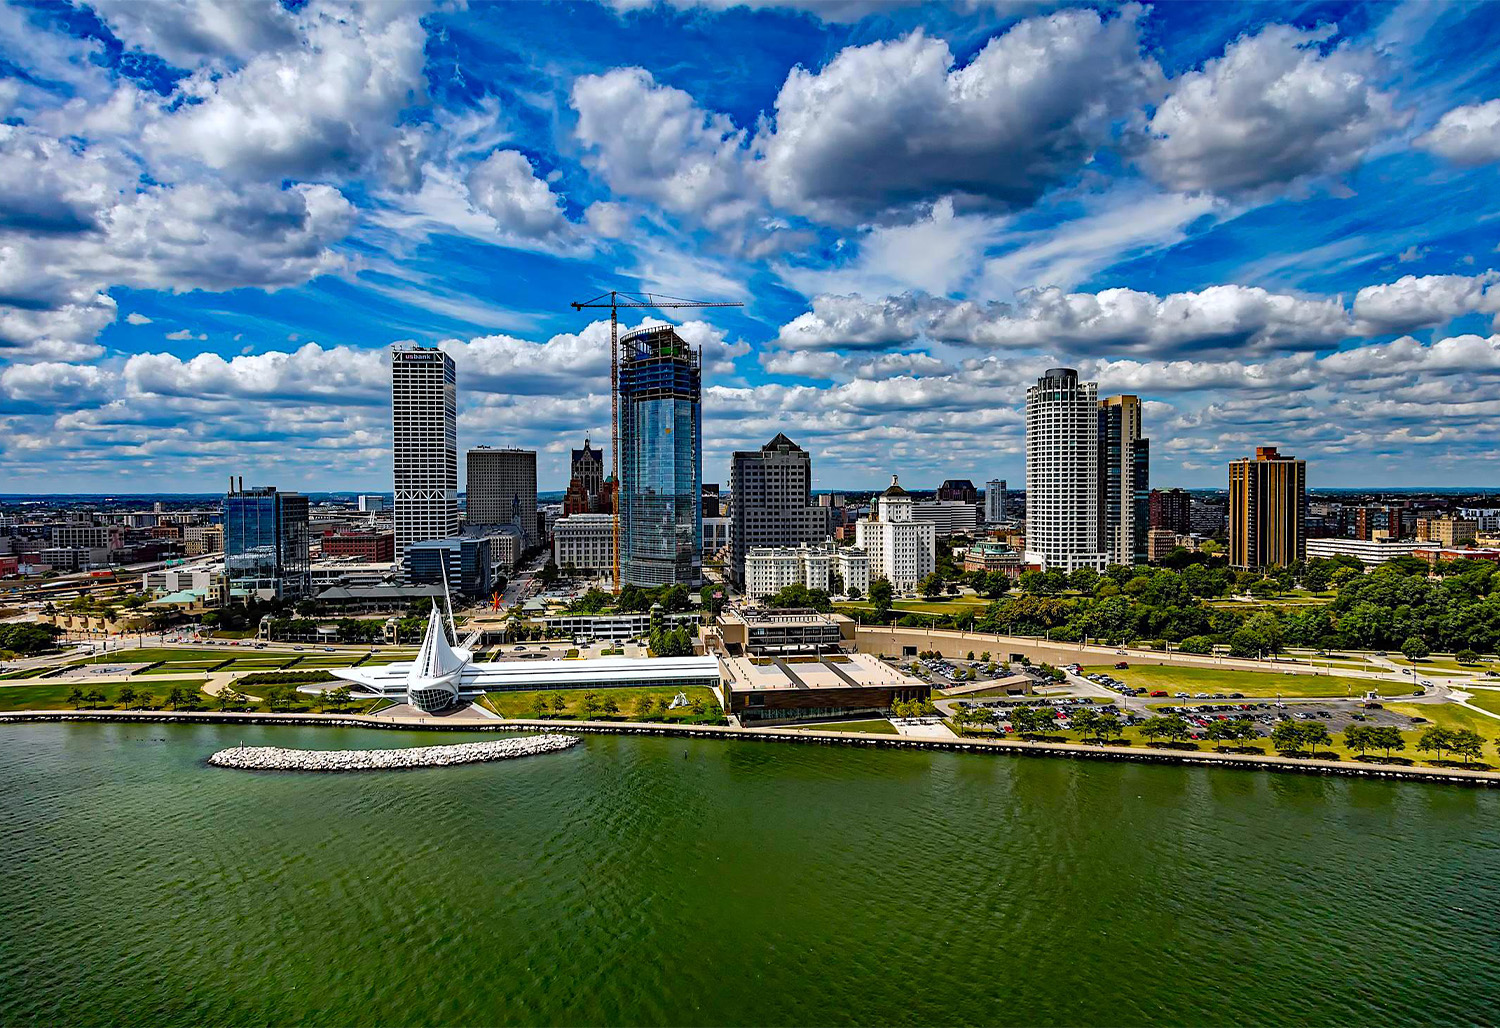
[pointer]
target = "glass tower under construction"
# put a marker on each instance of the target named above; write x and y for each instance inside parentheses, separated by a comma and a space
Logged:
(661, 459)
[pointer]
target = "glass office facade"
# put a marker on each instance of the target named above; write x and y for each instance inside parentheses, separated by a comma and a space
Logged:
(266, 544)
(661, 459)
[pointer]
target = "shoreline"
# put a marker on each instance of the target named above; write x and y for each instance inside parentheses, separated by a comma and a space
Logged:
(1013, 747)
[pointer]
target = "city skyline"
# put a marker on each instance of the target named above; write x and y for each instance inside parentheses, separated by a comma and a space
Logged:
(1268, 224)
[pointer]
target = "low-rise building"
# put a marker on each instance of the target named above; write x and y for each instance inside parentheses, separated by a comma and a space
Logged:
(769, 569)
(1447, 531)
(761, 690)
(948, 517)
(1372, 552)
(369, 546)
(989, 555)
(585, 542)
(764, 633)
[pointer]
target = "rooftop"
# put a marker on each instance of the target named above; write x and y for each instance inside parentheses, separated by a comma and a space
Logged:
(835, 671)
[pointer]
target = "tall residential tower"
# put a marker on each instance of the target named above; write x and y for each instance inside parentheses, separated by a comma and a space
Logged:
(424, 421)
(1062, 472)
(1267, 510)
(1124, 481)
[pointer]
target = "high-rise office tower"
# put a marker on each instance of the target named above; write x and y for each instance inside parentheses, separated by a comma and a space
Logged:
(1267, 510)
(424, 421)
(773, 506)
(994, 500)
(1062, 472)
(1172, 509)
(265, 543)
(501, 490)
(661, 459)
(713, 503)
(1124, 488)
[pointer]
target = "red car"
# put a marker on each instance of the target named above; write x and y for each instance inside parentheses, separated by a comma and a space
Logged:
(1159, 692)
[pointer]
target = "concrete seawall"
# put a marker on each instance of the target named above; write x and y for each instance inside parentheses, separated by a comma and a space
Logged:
(1016, 747)
(277, 758)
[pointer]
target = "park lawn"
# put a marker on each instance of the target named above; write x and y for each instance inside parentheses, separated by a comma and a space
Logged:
(519, 704)
(55, 697)
(1442, 663)
(174, 669)
(877, 727)
(1488, 699)
(153, 654)
(1191, 680)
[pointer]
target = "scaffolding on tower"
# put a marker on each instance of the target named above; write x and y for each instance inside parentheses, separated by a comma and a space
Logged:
(614, 300)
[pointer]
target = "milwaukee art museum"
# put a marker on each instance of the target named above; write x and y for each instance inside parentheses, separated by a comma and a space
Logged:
(444, 676)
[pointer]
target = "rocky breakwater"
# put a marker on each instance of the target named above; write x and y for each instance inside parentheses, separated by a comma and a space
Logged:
(276, 758)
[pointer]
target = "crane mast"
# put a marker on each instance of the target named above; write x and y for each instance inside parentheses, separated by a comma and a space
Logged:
(614, 300)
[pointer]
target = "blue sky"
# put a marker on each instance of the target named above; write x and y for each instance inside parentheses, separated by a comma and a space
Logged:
(1278, 224)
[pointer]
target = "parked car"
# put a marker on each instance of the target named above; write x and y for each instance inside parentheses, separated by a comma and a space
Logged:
(1122, 665)
(1158, 692)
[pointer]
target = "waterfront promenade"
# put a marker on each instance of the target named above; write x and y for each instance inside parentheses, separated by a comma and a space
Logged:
(1016, 747)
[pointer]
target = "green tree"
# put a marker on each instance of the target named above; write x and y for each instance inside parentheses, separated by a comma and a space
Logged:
(145, 700)
(1414, 648)
(1436, 739)
(1358, 737)
(126, 696)
(178, 697)
(1467, 656)
(931, 586)
(94, 697)
(1387, 738)
(1314, 734)
(1220, 732)
(643, 706)
(538, 705)
(1286, 736)
(1153, 728)
(881, 595)
(1467, 743)
(75, 697)
(558, 702)
(590, 704)
(609, 706)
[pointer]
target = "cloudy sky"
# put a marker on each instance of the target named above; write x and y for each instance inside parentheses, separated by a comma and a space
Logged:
(1277, 224)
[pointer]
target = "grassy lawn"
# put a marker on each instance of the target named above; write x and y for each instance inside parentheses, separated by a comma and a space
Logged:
(520, 704)
(1230, 680)
(55, 697)
(1487, 699)
(1442, 663)
(877, 727)
(175, 669)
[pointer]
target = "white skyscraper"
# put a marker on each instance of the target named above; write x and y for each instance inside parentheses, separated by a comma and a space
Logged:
(1062, 472)
(424, 420)
(902, 549)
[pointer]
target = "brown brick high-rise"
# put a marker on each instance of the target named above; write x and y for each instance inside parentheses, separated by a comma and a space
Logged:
(1267, 510)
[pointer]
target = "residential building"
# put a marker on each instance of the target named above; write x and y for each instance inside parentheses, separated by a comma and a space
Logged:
(370, 503)
(901, 549)
(1160, 542)
(947, 517)
(661, 459)
(265, 543)
(375, 547)
(1171, 509)
(1373, 552)
(772, 490)
(501, 490)
(424, 421)
(86, 535)
(1447, 531)
(1267, 510)
(958, 490)
(1062, 473)
(835, 570)
(585, 542)
(198, 540)
(994, 501)
(1124, 481)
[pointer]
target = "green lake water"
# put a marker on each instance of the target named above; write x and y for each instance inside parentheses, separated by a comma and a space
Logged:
(660, 881)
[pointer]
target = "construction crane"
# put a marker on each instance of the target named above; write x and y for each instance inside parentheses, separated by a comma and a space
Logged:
(614, 300)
